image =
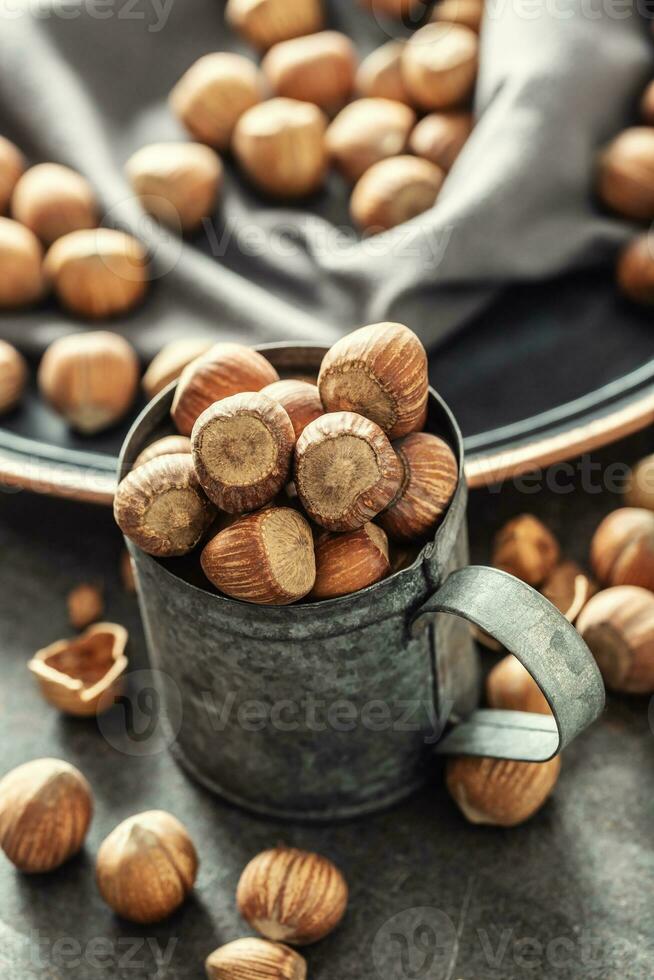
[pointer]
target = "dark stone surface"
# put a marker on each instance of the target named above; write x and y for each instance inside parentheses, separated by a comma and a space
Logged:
(568, 895)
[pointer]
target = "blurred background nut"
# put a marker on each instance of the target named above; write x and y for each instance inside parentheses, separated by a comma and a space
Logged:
(380, 74)
(255, 959)
(394, 191)
(12, 165)
(13, 376)
(162, 508)
(292, 896)
(213, 94)
(367, 131)
(98, 273)
(430, 478)
(625, 180)
(46, 807)
(267, 22)
(640, 488)
(147, 867)
(527, 549)
(510, 687)
(568, 588)
(470, 13)
(346, 563)
(401, 9)
(618, 626)
(635, 270)
(168, 364)
(319, 68)
(647, 105)
(166, 446)
(280, 146)
(622, 549)
(441, 136)
(21, 257)
(439, 65)
(300, 400)
(85, 605)
(226, 369)
(500, 792)
(52, 201)
(91, 379)
(177, 183)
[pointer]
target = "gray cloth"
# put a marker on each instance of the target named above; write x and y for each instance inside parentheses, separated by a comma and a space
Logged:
(85, 83)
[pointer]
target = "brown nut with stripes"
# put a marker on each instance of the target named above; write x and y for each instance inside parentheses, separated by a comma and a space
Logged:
(346, 471)
(166, 446)
(622, 549)
(348, 562)
(242, 448)
(255, 959)
(300, 400)
(500, 792)
(292, 896)
(430, 479)
(266, 558)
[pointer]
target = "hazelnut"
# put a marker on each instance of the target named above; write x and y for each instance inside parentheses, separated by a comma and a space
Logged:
(527, 549)
(568, 588)
(622, 549)
(439, 65)
(319, 68)
(510, 687)
(127, 576)
(441, 136)
(394, 191)
(242, 448)
(84, 675)
(300, 400)
(85, 605)
(625, 181)
(167, 446)
(380, 372)
(168, 364)
(255, 959)
(280, 145)
(13, 376)
(46, 807)
(402, 556)
(12, 165)
(162, 508)
(266, 558)
(52, 201)
(213, 94)
(98, 273)
(401, 9)
(500, 792)
(21, 276)
(618, 626)
(367, 131)
(470, 13)
(346, 471)
(647, 105)
(346, 563)
(90, 378)
(640, 488)
(430, 477)
(267, 22)
(635, 271)
(292, 896)
(226, 369)
(380, 74)
(146, 867)
(177, 183)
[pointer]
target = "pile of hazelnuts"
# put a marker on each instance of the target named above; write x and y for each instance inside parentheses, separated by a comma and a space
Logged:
(295, 488)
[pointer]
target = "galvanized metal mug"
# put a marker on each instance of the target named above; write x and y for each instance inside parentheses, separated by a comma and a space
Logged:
(335, 709)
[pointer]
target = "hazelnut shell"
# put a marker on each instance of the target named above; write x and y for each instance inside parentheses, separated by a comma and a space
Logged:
(439, 65)
(380, 74)
(470, 13)
(242, 448)
(527, 549)
(292, 896)
(52, 201)
(431, 476)
(22, 282)
(13, 376)
(46, 807)
(510, 687)
(625, 179)
(618, 626)
(300, 400)
(640, 489)
(85, 605)
(394, 191)
(622, 549)
(380, 372)
(500, 792)
(346, 563)
(12, 166)
(568, 588)
(367, 131)
(266, 22)
(166, 446)
(319, 68)
(255, 959)
(226, 369)
(177, 183)
(441, 136)
(635, 272)
(162, 508)
(266, 558)
(168, 364)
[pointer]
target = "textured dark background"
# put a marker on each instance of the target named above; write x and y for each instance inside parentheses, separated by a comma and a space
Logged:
(569, 895)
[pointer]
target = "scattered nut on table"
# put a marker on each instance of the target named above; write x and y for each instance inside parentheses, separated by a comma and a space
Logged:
(255, 959)
(52, 201)
(367, 131)
(527, 549)
(85, 605)
(12, 165)
(622, 549)
(319, 68)
(618, 626)
(380, 74)
(147, 867)
(46, 807)
(22, 282)
(625, 180)
(500, 792)
(510, 687)
(13, 376)
(640, 487)
(292, 896)
(393, 192)
(267, 22)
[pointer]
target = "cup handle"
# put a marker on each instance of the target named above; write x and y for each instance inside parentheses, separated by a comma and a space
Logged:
(543, 640)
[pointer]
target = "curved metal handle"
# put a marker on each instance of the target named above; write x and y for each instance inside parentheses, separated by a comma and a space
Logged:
(543, 640)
